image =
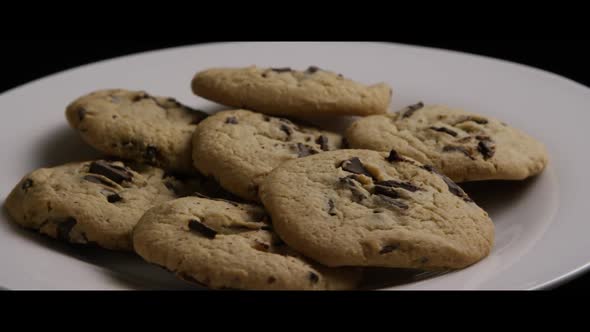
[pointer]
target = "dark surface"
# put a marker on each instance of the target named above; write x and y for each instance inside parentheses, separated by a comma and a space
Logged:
(27, 60)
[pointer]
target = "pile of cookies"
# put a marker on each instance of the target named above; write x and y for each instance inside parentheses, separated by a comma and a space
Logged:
(255, 198)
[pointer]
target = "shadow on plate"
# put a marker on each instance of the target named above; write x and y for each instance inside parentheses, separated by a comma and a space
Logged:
(493, 196)
(379, 278)
(63, 145)
(127, 270)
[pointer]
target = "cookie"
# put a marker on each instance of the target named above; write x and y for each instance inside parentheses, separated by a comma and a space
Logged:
(96, 202)
(133, 125)
(221, 244)
(369, 208)
(464, 146)
(292, 93)
(239, 148)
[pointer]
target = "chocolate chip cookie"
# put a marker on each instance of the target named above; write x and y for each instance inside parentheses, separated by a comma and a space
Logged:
(96, 202)
(222, 244)
(134, 125)
(239, 148)
(464, 146)
(368, 208)
(292, 93)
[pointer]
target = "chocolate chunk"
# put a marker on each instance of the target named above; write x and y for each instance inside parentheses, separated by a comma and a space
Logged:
(444, 130)
(81, 113)
(140, 96)
(477, 120)
(314, 278)
(114, 198)
(389, 248)
(199, 195)
(114, 173)
(64, 227)
(331, 208)
(304, 150)
(486, 148)
(431, 169)
(287, 130)
(464, 139)
(455, 189)
(396, 184)
(260, 246)
(464, 150)
(98, 180)
(266, 228)
(266, 118)
(483, 138)
(151, 154)
(352, 184)
(393, 202)
(231, 120)
(349, 180)
(239, 228)
(197, 226)
(355, 166)
(323, 142)
(386, 191)
(312, 69)
(408, 111)
(481, 121)
(394, 157)
(28, 183)
(271, 280)
(281, 70)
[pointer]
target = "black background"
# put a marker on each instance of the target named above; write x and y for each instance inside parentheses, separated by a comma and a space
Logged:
(26, 60)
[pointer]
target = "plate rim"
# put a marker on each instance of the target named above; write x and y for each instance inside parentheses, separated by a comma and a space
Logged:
(553, 283)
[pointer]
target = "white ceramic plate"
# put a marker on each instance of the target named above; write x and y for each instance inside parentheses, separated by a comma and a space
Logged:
(541, 224)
